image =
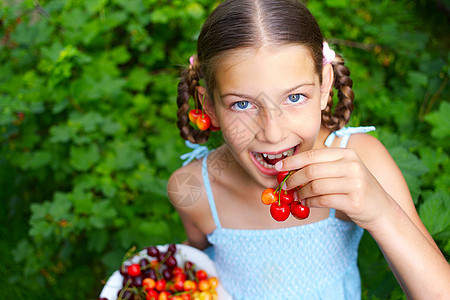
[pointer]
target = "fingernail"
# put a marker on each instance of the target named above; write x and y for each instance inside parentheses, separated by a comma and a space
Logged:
(284, 187)
(279, 165)
(304, 202)
(295, 196)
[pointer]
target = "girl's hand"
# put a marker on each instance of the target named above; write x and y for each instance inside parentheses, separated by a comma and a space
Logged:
(337, 178)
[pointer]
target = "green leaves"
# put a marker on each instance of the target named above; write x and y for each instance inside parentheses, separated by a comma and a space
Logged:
(435, 214)
(412, 169)
(440, 121)
(84, 157)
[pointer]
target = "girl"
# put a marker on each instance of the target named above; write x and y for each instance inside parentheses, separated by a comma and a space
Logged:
(268, 80)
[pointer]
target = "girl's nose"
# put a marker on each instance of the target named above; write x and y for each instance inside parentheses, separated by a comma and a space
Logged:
(272, 129)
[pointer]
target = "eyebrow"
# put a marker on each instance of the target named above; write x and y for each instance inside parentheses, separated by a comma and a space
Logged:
(287, 91)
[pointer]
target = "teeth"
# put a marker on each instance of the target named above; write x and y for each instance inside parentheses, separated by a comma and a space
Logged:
(259, 157)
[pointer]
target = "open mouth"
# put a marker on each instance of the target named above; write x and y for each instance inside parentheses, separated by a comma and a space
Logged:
(268, 160)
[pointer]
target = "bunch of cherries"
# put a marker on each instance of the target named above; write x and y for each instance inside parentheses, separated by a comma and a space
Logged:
(161, 278)
(282, 202)
(200, 118)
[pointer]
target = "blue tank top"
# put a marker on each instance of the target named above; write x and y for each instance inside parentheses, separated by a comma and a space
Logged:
(312, 261)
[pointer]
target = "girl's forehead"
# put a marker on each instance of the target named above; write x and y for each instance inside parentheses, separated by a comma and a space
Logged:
(254, 68)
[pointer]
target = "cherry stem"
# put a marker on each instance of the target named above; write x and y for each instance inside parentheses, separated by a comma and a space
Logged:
(279, 187)
(196, 99)
(204, 95)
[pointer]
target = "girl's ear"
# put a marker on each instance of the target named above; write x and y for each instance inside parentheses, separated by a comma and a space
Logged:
(327, 84)
(208, 105)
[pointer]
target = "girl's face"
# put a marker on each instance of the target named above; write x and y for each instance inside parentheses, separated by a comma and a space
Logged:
(268, 105)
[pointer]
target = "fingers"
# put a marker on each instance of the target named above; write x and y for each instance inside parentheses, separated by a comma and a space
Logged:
(322, 187)
(316, 171)
(336, 201)
(303, 159)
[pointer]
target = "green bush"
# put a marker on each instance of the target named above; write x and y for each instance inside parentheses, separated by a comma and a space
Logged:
(88, 135)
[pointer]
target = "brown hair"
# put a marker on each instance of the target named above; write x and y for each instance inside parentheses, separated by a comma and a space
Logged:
(253, 23)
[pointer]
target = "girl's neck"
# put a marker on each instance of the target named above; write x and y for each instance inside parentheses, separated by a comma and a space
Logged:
(321, 137)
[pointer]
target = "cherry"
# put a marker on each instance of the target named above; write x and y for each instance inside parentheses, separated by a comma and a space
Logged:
(177, 271)
(269, 196)
(281, 176)
(280, 212)
(160, 257)
(164, 295)
(190, 285)
(123, 270)
(161, 285)
(144, 263)
(172, 248)
(171, 262)
(203, 122)
(179, 285)
(167, 274)
(137, 281)
(188, 266)
(149, 283)
(201, 275)
(151, 295)
(134, 270)
(194, 114)
(299, 211)
(286, 197)
(125, 294)
(152, 251)
(127, 281)
(150, 273)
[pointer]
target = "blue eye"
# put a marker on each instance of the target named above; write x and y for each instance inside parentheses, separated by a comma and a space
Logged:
(241, 105)
(296, 98)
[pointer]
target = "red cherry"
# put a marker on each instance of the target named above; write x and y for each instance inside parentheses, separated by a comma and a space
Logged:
(286, 197)
(186, 296)
(279, 212)
(203, 122)
(177, 271)
(179, 285)
(201, 274)
(134, 270)
(151, 295)
(161, 285)
(281, 176)
(269, 196)
(299, 211)
(194, 114)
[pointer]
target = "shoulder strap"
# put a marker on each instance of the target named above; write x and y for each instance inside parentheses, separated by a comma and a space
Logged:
(209, 193)
(345, 133)
(197, 153)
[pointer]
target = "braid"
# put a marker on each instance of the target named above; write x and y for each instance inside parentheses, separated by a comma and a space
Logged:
(186, 88)
(344, 107)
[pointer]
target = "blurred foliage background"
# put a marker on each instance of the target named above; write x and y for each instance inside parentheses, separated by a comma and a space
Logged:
(88, 135)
